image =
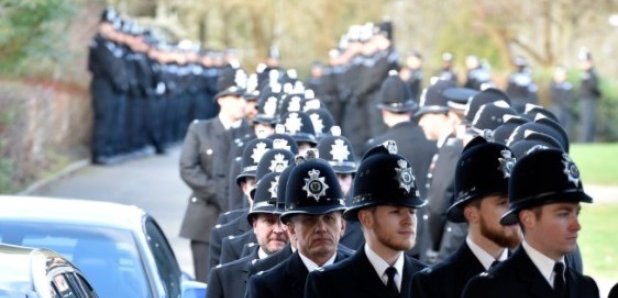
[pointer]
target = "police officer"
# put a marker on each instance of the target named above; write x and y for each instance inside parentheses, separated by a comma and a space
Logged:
(338, 151)
(447, 72)
(412, 74)
(545, 192)
(438, 125)
(481, 187)
(561, 94)
(521, 89)
(245, 180)
(280, 256)
(229, 280)
(204, 164)
(590, 93)
(314, 203)
(397, 108)
(274, 160)
(108, 87)
(385, 202)
(477, 74)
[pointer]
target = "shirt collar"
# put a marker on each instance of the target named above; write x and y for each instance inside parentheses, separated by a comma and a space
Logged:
(380, 265)
(444, 137)
(543, 263)
(262, 254)
(227, 124)
(311, 265)
(483, 256)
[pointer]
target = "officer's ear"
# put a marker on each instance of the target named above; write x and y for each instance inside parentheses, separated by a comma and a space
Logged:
(527, 218)
(471, 213)
(365, 217)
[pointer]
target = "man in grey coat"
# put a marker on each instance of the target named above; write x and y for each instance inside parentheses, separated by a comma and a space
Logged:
(204, 166)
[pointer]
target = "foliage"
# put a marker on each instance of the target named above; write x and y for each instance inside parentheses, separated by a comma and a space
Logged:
(32, 30)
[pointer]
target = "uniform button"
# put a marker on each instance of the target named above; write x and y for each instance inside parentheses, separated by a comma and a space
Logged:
(193, 199)
(209, 151)
(425, 216)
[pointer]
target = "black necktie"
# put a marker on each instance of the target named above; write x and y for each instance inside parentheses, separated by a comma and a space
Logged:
(559, 286)
(390, 283)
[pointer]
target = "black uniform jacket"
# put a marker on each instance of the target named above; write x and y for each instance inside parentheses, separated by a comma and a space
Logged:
(455, 272)
(272, 261)
(237, 226)
(232, 246)
(356, 277)
(519, 277)
(230, 280)
(286, 280)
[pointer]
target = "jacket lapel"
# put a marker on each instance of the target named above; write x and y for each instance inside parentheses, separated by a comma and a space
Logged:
(297, 275)
(366, 276)
(531, 276)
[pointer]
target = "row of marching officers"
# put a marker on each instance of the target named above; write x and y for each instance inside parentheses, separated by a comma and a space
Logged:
(504, 223)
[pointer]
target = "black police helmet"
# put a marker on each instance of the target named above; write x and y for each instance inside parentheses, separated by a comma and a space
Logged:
(312, 188)
(283, 180)
(251, 156)
(491, 115)
(322, 121)
(274, 160)
(543, 177)
(338, 152)
(281, 140)
(432, 98)
(534, 141)
(264, 196)
(483, 169)
(300, 127)
(395, 95)
(458, 97)
(510, 122)
(486, 96)
(231, 81)
(383, 178)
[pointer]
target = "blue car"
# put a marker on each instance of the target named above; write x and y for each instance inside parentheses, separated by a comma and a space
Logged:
(120, 249)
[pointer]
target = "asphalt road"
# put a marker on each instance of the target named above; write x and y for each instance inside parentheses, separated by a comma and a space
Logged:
(152, 183)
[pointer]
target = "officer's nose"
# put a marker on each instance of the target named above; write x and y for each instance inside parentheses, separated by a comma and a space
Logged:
(278, 228)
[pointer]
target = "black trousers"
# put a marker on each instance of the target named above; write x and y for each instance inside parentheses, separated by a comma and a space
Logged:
(199, 250)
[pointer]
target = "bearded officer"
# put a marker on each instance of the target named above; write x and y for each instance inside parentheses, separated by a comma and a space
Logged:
(314, 204)
(481, 187)
(384, 202)
(545, 192)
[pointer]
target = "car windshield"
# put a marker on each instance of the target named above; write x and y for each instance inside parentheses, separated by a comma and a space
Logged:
(108, 257)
